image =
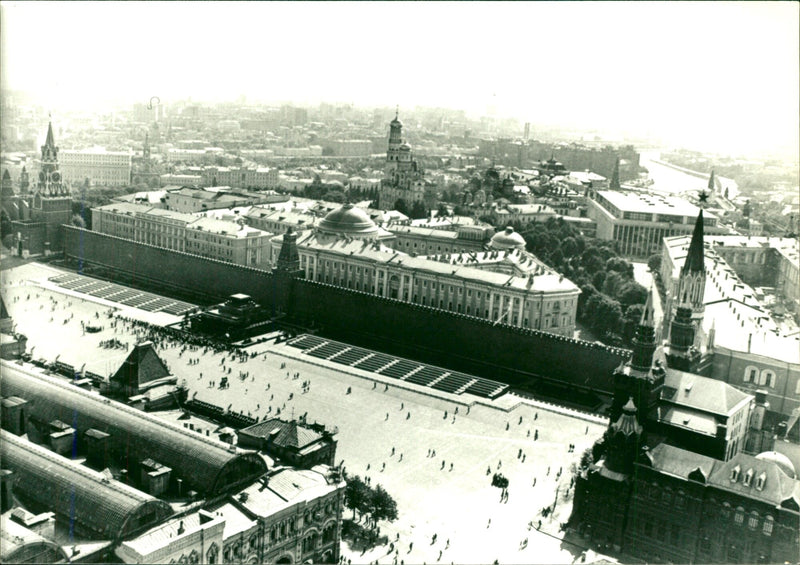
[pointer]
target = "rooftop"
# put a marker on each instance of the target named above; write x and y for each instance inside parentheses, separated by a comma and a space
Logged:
(199, 460)
(740, 321)
(702, 394)
(285, 487)
(545, 282)
(15, 537)
(680, 462)
(778, 487)
(104, 506)
(289, 434)
(649, 203)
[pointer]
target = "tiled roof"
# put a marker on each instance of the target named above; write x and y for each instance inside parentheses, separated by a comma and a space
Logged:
(701, 393)
(106, 507)
(680, 462)
(778, 487)
(290, 434)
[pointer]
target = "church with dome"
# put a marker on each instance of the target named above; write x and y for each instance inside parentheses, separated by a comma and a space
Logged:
(502, 283)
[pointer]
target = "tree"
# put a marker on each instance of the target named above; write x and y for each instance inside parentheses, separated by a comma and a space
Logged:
(613, 284)
(5, 224)
(383, 506)
(587, 292)
(78, 221)
(443, 210)
(335, 196)
(632, 293)
(608, 316)
(621, 266)
(569, 247)
(591, 260)
(633, 315)
(654, 263)
(418, 210)
(357, 495)
(401, 206)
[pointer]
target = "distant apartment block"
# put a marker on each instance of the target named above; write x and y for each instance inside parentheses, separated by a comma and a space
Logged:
(102, 168)
(241, 177)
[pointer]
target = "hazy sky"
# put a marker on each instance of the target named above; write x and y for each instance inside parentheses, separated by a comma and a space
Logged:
(724, 74)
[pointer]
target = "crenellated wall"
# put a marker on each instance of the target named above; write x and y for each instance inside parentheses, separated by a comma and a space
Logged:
(518, 356)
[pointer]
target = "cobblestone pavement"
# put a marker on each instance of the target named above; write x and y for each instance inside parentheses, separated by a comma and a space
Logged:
(448, 494)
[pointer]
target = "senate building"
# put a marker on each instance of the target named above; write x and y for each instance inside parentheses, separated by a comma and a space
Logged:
(502, 283)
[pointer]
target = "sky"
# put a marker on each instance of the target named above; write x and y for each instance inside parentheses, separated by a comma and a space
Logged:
(722, 75)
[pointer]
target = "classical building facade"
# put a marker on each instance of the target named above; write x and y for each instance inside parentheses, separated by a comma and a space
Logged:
(241, 177)
(504, 285)
(234, 242)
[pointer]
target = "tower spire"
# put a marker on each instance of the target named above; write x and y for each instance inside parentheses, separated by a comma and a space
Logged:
(50, 141)
(644, 342)
(694, 258)
(397, 112)
(711, 181)
(615, 176)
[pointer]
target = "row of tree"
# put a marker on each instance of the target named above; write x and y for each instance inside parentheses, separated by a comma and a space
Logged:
(611, 301)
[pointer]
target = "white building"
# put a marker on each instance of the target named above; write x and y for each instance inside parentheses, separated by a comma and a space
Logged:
(233, 242)
(344, 250)
(101, 167)
(639, 221)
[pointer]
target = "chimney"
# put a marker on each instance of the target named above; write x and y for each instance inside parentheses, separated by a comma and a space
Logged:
(759, 410)
(181, 529)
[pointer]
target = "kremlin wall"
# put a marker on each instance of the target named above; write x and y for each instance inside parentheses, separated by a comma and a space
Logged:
(522, 357)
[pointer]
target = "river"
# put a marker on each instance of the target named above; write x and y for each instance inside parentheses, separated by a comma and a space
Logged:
(667, 179)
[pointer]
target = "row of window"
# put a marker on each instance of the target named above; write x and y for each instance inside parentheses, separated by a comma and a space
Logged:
(753, 519)
(765, 377)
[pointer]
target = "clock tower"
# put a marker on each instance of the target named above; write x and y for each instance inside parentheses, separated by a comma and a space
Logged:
(52, 204)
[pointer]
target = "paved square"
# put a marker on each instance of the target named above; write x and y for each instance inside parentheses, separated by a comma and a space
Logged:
(449, 494)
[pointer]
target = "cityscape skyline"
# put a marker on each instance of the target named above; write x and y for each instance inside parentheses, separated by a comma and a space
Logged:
(729, 83)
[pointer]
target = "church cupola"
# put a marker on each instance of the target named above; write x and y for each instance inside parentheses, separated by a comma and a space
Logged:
(396, 130)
